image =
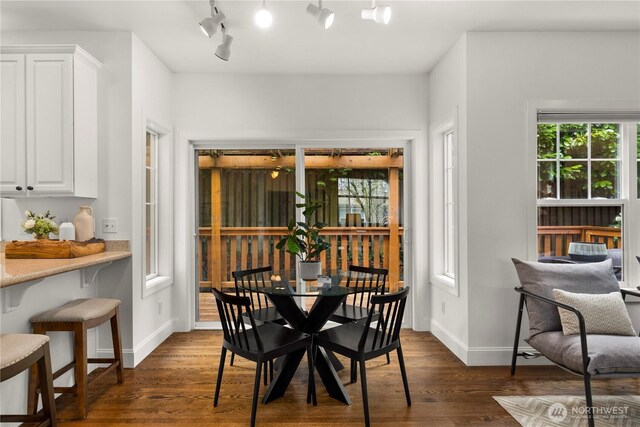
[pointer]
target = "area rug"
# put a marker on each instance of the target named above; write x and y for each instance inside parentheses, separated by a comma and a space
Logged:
(550, 411)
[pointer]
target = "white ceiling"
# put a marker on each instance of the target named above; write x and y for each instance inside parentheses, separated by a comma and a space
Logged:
(420, 32)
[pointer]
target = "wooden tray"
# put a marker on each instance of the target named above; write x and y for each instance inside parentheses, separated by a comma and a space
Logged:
(52, 249)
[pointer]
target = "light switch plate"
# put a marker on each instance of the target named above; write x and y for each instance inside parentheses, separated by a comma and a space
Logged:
(109, 225)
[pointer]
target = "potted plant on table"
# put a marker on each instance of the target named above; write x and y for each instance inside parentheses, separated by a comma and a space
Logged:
(303, 239)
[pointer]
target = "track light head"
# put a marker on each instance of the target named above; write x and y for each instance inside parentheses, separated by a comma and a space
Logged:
(381, 14)
(323, 15)
(224, 50)
(209, 26)
(263, 17)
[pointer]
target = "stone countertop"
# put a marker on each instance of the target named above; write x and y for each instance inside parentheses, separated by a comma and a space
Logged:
(15, 271)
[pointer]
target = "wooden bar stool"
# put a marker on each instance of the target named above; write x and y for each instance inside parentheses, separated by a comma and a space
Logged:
(19, 352)
(78, 316)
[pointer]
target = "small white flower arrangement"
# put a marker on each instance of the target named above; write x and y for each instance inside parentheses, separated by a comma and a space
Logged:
(40, 225)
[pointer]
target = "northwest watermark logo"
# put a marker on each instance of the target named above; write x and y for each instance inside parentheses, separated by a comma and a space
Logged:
(557, 412)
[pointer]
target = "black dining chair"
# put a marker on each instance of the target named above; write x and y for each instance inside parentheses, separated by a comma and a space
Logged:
(363, 341)
(259, 343)
(367, 281)
(247, 284)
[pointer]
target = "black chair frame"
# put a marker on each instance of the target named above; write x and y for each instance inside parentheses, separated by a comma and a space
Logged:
(248, 343)
(386, 338)
(249, 282)
(524, 294)
(363, 285)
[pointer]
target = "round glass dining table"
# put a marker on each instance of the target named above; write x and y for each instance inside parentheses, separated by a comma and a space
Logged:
(289, 296)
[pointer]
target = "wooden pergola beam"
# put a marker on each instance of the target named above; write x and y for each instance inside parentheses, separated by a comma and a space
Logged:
(312, 162)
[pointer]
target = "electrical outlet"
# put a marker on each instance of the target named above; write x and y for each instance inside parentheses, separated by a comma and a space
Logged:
(159, 307)
(443, 307)
(109, 225)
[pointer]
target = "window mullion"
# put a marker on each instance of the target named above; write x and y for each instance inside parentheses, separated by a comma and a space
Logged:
(558, 195)
(588, 160)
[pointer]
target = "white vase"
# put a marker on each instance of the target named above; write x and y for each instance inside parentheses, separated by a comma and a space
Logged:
(83, 222)
(66, 231)
(310, 270)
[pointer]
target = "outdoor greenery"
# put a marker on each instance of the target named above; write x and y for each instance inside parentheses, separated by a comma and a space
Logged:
(303, 238)
(567, 146)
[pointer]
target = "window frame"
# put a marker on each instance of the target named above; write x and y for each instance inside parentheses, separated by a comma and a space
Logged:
(437, 209)
(630, 206)
(449, 205)
(163, 205)
(151, 201)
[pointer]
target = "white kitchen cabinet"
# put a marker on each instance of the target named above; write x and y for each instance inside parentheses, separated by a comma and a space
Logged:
(48, 121)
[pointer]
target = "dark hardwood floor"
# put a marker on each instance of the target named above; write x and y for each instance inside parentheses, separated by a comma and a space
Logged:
(175, 385)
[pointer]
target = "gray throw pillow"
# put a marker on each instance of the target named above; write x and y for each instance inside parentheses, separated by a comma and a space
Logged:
(542, 278)
(604, 314)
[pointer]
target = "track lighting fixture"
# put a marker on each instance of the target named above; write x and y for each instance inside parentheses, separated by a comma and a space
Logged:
(323, 15)
(381, 14)
(263, 16)
(210, 25)
(224, 50)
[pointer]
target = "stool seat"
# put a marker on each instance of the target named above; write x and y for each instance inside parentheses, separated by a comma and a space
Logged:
(20, 352)
(79, 310)
(17, 347)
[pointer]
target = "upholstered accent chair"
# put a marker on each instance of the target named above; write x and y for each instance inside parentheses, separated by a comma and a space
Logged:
(589, 355)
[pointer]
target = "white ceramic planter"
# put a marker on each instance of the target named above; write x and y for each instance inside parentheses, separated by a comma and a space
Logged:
(310, 270)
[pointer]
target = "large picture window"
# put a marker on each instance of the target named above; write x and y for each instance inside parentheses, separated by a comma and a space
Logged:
(585, 182)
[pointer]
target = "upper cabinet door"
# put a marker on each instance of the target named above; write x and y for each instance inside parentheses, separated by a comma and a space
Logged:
(13, 177)
(49, 123)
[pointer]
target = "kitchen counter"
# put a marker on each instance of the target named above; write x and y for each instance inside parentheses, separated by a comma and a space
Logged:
(16, 271)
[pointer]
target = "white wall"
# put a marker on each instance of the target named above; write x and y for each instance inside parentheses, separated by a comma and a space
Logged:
(504, 72)
(448, 101)
(152, 85)
(217, 105)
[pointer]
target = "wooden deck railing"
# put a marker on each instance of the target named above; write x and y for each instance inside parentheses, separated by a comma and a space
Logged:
(554, 240)
(249, 247)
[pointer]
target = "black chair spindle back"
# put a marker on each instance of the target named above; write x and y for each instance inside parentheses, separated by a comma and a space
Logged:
(248, 282)
(387, 331)
(367, 281)
(231, 308)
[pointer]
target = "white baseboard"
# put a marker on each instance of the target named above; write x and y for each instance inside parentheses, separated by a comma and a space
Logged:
(452, 342)
(132, 357)
(481, 356)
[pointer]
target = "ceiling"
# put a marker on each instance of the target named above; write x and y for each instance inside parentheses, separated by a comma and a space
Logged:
(419, 34)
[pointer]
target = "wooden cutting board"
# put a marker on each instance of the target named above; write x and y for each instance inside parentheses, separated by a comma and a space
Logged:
(52, 249)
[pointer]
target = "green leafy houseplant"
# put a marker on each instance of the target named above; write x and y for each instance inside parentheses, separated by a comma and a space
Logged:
(303, 238)
(40, 225)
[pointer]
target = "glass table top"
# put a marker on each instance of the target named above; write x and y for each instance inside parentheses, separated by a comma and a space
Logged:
(284, 283)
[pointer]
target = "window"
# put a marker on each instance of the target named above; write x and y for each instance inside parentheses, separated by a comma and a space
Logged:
(151, 205)
(579, 160)
(366, 195)
(586, 170)
(448, 203)
(443, 227)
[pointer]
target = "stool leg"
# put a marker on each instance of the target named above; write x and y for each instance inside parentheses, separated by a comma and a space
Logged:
(117, 344)
(32, 396)
(80, 351)
(46, 385)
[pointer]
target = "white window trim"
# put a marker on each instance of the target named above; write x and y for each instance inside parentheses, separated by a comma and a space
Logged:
(631, 205)
(437, 276)
(164, 206)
